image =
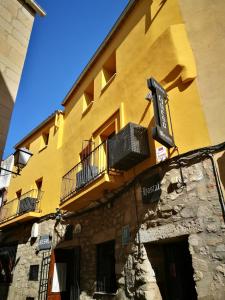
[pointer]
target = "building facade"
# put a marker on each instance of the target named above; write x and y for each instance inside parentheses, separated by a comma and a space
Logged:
(128, 179)
(16, 21)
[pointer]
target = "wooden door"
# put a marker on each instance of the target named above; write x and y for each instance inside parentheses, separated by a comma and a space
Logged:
(64, 272)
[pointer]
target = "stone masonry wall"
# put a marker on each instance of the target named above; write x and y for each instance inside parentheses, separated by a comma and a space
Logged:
(15, 28)
(192, 211)
(27, 254)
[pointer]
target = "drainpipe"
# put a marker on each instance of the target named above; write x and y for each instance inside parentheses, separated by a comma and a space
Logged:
(218, 185)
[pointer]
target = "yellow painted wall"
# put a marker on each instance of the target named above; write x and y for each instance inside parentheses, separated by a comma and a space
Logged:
(151, 41)
(45, 163)
(204, 20)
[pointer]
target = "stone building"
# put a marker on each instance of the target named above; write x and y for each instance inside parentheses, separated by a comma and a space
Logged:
(129, 178)
(16, 21)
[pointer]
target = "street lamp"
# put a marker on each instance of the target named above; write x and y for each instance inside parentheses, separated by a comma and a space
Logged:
(21, 158)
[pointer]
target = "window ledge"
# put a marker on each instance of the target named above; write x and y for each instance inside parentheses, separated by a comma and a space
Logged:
(86, 110)
(42, 149)
(108, 83)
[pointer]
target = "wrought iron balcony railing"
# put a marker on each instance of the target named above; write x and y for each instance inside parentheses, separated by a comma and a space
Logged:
(28, 202)
(85, 172)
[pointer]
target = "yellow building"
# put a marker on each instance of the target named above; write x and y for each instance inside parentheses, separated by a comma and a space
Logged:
(122, 211)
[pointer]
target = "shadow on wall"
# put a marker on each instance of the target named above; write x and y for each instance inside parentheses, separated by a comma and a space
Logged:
(148, 17)
(6, 107)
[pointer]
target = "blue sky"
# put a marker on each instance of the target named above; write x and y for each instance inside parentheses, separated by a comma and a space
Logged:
(61, 45)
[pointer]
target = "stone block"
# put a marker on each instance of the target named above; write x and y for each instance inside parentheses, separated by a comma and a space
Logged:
(5, 14)
(11, 6)
(5, 25)
(17, 58)
(20, 37)
(25, 17)
(188, 212)
(4, 46)
(17, 45)
(21, 27)
(13, 75)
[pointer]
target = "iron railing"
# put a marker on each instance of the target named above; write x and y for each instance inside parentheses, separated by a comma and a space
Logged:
(28, 202)
(85, 172)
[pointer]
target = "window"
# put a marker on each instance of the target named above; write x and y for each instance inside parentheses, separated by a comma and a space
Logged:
(39, 187)
(109, 70)
(69, 232)
(18, 194)
(88, 96)
(2, 196)
(106, 277)
(45, 138)
(7, 263)
(33, 272)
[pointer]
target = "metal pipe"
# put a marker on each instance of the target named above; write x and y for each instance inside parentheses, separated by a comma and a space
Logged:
(221, 198)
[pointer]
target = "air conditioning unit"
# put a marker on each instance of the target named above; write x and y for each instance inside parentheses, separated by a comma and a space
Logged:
(128, 147)
(87, 174)
(27, 204)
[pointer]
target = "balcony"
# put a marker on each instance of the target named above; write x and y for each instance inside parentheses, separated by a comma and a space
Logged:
(100, 171)
(93, 166)
(24, 208)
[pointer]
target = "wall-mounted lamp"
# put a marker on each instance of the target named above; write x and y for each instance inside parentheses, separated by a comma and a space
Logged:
(21, 158)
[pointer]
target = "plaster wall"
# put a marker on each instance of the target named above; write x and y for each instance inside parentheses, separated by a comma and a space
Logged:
(152, 41)
(45, 164)
(204, 21)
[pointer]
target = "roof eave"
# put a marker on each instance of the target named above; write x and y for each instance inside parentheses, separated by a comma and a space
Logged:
(125, 12)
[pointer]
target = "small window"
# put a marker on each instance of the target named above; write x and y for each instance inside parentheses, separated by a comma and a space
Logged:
(2, 196)
(88, 96)
(33, 272)
(19, 194)
(29, 298)
(106, 276)
(39, 187)
(69, 232)
(109, 70)
(45, 138)
(39, 184)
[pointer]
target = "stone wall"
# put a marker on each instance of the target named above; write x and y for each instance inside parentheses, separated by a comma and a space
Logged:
(192, 210)
(16, 21)
(27, 254)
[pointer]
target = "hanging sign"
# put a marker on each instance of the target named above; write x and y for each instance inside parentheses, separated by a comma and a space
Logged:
(44, 242)
(161, 132)
(151, 189)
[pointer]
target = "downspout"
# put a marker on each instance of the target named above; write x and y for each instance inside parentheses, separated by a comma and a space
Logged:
(218, 185)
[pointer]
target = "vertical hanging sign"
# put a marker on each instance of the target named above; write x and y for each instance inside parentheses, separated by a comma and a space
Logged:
(161, 132)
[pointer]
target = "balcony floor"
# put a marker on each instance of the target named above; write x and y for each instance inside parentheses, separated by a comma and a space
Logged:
(92, 192)
(19, 219)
